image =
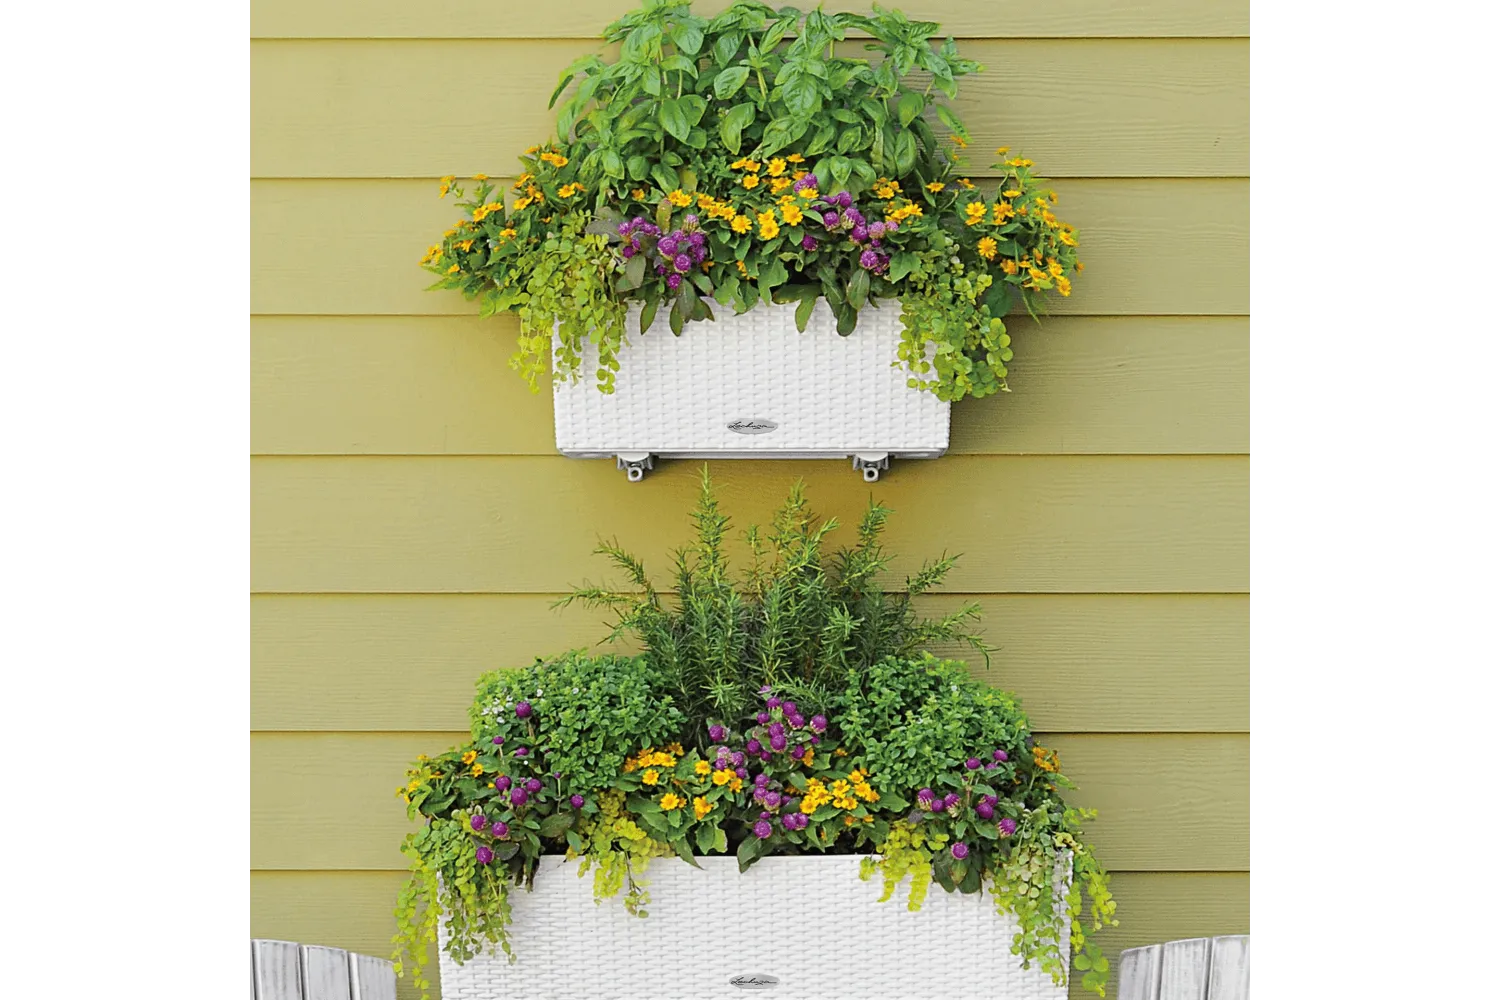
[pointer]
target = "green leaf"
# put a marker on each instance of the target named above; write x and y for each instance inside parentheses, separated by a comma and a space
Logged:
(689, 37)
(648, 313)
(674, 118)
(805, 311)
(909, 106)
(751, 850)
(635, 271)
(680, 845)
(554, 825)
(951, 120)
(638, 167)
(904, 263)
(906, 153)
(664, 176)
(822, 139)
(613, 165)
(859, 288)
(839, 168)
(704, 835)
(848, 319)
(734, 123)
(727, 83)
(693, 106)
(851, 139)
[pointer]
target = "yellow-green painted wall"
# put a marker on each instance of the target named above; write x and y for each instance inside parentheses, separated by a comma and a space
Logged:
(411, 521)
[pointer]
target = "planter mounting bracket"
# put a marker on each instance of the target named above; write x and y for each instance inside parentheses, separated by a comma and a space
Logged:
(870, 464)
(635, 463)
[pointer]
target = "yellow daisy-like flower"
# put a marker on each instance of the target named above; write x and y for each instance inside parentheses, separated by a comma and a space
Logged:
(1064, 286)
(706, 201)
(569, 190)
(740, 224)
(735, 783)
(453, 269)
(776, 167)
(522, 181)
(554, 159)
(672, 801)
(465, 245)
(808, 193)
(680, 198)
(1023, 210)
(1067, 237)
(520, 204)
(702, 807)
(1003, 211)
(481, 177)
(807, 757)
(1019, 162)
(959, 141)
(639, 194)
(965, 183)
(794, 158)
(1054, 268)
(791, 214)
(651, 776)
(506, 234)
(1009, 266)
(740, 265)
(779, 184)
(531, 150)
(885, 189)
(477, 769)
(1002, 151)
(1078, 265)
(988, 247)
(749, 180)
(936, 186)
(752, 165)
(768, 225)
(469, 757)
(722, 776)
(701, 768)
(840, 752)
(444, 186)
(974, 213)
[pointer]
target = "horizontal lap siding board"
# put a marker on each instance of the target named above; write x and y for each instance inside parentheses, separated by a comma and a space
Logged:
(412, 523)
(587, 18)
(307, 787)
(430, 385)
(352, 909)
(1044, 524)
(1078, 107)
(1144, 663)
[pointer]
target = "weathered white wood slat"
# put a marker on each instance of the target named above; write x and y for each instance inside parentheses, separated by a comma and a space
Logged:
(1184, 969)
(276, 968)
(371, 978)
(325, 973)
(1140, 973)
(1229, 968)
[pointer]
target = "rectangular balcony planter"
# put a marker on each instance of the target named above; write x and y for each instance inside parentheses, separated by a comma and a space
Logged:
(796, 928)
(753, 386)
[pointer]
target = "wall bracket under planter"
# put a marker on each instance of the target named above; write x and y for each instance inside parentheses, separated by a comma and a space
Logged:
(753, 386)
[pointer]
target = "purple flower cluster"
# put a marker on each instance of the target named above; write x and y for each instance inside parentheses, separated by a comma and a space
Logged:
(677, 252)
(1007, 827)
(782, 728)
(840, 215)
(931, 801)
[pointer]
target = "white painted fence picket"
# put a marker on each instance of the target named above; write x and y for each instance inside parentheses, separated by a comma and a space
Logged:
(285, 970)
(1191, 969)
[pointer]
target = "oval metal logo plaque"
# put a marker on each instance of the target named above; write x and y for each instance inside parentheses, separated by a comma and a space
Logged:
(752, 425)
(755, 982)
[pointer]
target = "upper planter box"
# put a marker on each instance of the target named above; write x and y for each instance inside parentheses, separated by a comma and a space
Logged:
(752, 386)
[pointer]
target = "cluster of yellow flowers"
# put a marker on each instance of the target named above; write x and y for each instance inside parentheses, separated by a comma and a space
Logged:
(817, 794)
(724, 776)
(652, 757)
(768, 226)
(488, 209)
(897, 212)
(701, 807)
(885, 188)
(672, 800)
(553, 159)
(569, 190)
(1044, 758)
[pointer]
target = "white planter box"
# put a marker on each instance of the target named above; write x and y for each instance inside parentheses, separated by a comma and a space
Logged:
(809, 923)
(752, 386)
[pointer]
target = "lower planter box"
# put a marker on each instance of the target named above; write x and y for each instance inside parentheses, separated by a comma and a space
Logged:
(792, 927)
(753, 386)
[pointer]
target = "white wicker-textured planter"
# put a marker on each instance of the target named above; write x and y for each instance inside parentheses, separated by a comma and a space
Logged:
(753, 386)
(791, 927)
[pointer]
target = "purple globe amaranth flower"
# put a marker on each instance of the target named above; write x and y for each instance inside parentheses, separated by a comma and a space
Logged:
(700, 254)
(991, 766)
(523, 709)
(877, 230)
(483, 854)
(674, 281)
(937, 805)
(960, 851)
(773, 703)
(924, 794)
(776, 729)
(807, 181)
(762, 779)
(478, 822)
(740, 772)
(763, 717)
(808, 243)
(1001, 755)
(624, 228)
(869, 260)
(802, 821)
(762, 829)
(522, 751)
(518, 797)
(765, 755)
(500, 828)
(984, 811)
(789, 707)
(972, 763)
(797, 719)
(892, 226)
(682, 262)
(778, 743)
(789, 821)
(690, 220)
(667, 247)
(950, 800)
(533, 785)
(819, 724)
(498, 740)
(738, 758)
(576, 801)
(696, 239)
(1007, 827)
(830, 220)
(859, 234)
(502, 782)
(753, 746)
(771, 799)
(843, 199)
(814, 740)
(765, 689)
(716, 733)
(661, 269)
(627, 251)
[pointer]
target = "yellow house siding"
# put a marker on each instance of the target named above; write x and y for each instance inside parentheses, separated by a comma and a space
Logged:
(412, 522)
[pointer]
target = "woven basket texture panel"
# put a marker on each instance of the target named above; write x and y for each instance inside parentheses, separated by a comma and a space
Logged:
(826, 395)
(809, 922)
